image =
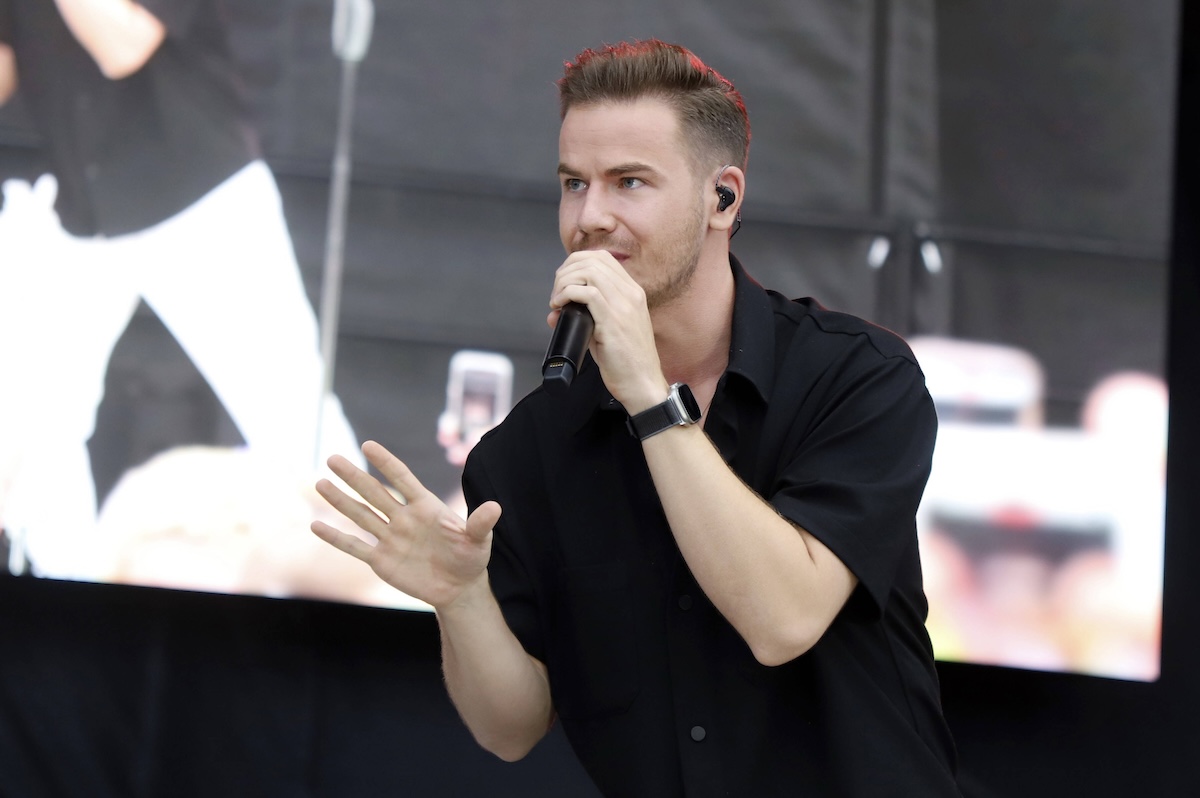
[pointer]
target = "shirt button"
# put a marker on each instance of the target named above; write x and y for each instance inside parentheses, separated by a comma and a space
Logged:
(685, 602)
(698, 733)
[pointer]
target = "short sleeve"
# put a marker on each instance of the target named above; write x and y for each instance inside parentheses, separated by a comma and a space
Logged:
(855, 479)
(507, 573)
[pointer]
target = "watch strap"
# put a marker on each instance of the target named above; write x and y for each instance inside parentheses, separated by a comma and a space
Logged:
(679, 409)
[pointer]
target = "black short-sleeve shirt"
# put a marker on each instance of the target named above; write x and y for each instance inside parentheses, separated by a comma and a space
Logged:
(828, 419)
(133, 152)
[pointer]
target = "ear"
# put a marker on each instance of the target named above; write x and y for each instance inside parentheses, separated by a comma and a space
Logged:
(733, 179)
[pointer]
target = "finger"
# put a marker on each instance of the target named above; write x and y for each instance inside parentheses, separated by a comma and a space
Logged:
(364, 485)
(590, 295)
(599, 256)
(366, 517)
(587, 267)
(396, 472)
(481, 522)
(348, 471)
(587, 277)
(350, 544)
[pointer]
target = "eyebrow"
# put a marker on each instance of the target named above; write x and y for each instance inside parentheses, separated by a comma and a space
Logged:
(614, 171)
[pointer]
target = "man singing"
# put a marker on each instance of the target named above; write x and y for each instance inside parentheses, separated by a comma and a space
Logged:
(702, 557)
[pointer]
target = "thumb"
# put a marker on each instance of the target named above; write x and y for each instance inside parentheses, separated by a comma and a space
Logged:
(481, 522)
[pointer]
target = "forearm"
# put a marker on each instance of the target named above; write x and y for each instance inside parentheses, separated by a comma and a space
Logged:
(502, 694)
(8, 73)
(120, 35)
(774, 582)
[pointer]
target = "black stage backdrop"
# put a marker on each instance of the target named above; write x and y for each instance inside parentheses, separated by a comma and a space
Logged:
(1032, 141)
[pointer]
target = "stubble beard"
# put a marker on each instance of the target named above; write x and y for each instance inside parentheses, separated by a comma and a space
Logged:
(674, 268)
(680, 258)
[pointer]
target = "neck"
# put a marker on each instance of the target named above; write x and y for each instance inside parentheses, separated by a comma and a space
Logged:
(693, 332)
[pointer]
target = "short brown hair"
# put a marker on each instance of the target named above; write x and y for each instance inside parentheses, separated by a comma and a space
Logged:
(712, 114)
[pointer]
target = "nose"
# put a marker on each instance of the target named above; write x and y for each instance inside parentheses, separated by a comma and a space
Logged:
(595, 212)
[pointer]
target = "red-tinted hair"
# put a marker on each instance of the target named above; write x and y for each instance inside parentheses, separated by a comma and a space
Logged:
(712, 114)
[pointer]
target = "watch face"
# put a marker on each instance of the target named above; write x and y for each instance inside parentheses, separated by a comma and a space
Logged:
(689, 402)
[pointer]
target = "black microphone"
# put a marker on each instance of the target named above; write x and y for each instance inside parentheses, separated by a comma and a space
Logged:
(567, 347)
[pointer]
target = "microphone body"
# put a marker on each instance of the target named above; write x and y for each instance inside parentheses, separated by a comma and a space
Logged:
(568, 345)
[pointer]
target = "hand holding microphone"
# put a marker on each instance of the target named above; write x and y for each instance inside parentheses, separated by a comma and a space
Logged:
(604, 309)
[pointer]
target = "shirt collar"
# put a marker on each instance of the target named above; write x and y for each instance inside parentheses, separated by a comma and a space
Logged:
(752, 342)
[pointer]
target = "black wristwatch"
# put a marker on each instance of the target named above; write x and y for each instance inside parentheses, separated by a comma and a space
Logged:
(679, 410)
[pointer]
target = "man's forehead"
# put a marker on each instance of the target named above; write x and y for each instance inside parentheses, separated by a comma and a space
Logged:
(644, 131)
(647, 110)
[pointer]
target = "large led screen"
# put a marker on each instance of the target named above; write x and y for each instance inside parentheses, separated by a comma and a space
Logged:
(990, 184)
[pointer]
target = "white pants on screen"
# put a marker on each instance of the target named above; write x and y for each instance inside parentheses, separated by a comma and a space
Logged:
(223, 279)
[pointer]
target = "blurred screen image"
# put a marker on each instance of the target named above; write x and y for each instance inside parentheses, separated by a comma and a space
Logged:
(162, 416)
(1042, 546)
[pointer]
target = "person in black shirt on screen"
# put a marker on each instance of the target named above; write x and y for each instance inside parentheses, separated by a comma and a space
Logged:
(722, 599)
(157, 191)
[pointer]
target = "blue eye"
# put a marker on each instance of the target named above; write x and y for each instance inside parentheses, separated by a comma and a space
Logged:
(630, 182)
(573, 184)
